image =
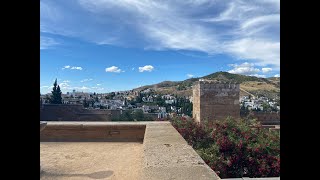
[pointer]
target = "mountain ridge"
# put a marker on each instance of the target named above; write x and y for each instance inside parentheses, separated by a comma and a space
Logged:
(269, 87)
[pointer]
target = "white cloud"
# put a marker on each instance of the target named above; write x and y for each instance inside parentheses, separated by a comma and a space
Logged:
(97, 88)
(260, 20)
(66, 67)
(277, 75)
(263, 51)
(148, 68)
(72, 67)
(64, 84)
(77, 88)
(47, 42)
(77, 68)
(266, 70)
(190, 75)
(114, 69)
(247, 30)
(85, 80)
(245, 69)
(83, 88)
(98, 84)
(65, 87)
(258, 75)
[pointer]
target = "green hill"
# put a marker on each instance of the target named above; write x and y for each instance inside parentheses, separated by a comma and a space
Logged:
(269, 87)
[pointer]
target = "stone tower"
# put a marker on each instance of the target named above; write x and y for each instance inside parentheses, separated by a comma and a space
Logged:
(215, 100)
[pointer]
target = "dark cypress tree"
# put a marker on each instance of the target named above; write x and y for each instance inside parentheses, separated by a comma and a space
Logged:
(56, 94)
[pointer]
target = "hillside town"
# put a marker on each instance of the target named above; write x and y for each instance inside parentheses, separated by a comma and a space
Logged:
(147, 100)
(157, 105)
(260, 103)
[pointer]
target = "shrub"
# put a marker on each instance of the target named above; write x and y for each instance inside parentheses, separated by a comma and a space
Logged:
(234, 148)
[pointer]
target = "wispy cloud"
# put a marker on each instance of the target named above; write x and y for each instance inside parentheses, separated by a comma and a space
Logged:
(258, 75)
(248, 69)
(190, 75)
(72, 67)
(64, 85)
(67, 87)
(264, 51)
(277, 75)
(86, 80)
(246, 30)
(245, 69)
(148, 68)
(114, 69)
(266, 70)
(47, 42)
(77, 68)
(97, 88)
(66, 67)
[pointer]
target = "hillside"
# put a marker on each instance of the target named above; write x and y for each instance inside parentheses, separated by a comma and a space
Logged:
(269, 87)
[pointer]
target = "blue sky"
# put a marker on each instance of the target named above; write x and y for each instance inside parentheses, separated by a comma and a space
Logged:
(110, 45)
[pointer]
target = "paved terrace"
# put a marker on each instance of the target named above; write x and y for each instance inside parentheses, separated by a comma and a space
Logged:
(118, 150)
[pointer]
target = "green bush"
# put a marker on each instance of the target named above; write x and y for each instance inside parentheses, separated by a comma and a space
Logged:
(234, 148)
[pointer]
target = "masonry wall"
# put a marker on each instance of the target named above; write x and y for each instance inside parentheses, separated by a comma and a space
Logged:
(267, 118)
(55, 132)
(215, 101)
(73, 112)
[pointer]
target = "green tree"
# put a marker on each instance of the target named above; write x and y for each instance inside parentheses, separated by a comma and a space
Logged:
(56, 94)
(138, 115)
(85, 103)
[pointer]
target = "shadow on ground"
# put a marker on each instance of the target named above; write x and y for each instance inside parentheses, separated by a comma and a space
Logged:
(95, 175)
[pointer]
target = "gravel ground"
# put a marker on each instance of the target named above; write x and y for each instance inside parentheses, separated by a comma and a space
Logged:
(91, 160)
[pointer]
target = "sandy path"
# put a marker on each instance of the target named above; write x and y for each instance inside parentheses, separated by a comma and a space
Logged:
(91, 160)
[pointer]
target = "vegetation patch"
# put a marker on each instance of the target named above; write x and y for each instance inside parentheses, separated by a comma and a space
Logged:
(233, 148)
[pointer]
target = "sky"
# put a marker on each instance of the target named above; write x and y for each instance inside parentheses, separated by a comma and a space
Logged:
(113, 45)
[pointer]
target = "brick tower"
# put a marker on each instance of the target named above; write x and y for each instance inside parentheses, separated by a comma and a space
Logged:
(215, 100)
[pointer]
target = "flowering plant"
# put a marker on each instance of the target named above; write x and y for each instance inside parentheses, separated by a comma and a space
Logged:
(233, 148)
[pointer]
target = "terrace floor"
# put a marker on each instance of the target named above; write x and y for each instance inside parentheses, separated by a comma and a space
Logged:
(91, 160)
(114, 150)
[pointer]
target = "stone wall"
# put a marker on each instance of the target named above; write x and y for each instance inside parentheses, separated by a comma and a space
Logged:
(74, 112)
(215, 100)
(267, 118)
(83, 132)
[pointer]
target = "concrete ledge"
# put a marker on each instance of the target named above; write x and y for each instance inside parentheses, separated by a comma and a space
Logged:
(168, 156)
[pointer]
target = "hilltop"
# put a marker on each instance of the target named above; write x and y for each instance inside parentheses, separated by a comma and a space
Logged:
(269, 87)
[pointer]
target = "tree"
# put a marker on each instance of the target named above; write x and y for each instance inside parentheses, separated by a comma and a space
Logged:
(56, 94)
(85, 103)
(138, 115)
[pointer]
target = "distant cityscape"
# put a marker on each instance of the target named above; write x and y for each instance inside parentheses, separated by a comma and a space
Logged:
(152, 103)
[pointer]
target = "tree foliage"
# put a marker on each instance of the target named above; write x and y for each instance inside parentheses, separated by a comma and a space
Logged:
(56, 94)
(234, 148)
